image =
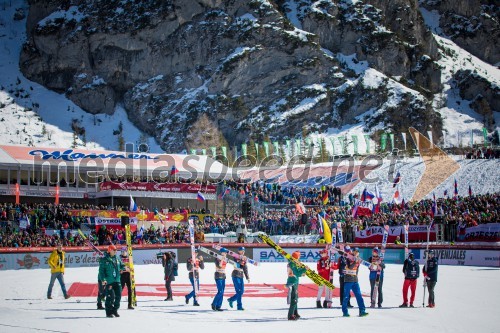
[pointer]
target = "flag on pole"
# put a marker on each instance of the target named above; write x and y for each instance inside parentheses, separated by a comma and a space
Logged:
(397, 179)
(57, 194)
(200, 197)
(434, 205)
(226, 191)
(132, 207)
(173, 171)
(470, 191)
(455, 191)
(445, 193)
(355, 209)
(327, 234)
(367, 195)
(300, 208)
(396, 197)
(18, 192)
(325, 198)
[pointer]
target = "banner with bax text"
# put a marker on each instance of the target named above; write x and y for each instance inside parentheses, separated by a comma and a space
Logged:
(416, 233)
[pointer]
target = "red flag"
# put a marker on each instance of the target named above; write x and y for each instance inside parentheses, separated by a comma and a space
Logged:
(57, 195)
(17, 194)
(173, 171)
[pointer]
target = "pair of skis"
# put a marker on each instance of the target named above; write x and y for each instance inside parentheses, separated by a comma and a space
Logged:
(235, 254)
(311, 274)
(90, 244)
(379, 268)
(193, 256)
(218, 256)
(128, 237)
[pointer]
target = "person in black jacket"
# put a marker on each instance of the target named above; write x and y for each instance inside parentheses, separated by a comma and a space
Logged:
(168, 264)
(342, 264)
(430, 271)
(411, 270)
(125, 276)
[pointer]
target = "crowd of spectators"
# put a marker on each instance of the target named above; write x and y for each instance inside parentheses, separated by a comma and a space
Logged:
(50, 223)
(483, 153)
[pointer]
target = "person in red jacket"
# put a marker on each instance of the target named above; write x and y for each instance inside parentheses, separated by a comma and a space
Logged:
(323, 266)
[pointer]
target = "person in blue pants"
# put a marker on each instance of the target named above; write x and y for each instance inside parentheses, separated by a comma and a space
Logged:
(220, 280)
(199, 264)
(237, 276)
(351, 283)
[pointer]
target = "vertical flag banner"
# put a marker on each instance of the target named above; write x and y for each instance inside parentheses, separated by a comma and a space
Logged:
(193, 151)
(132, 206)
(455, 191)
(235, 152)
(367, 140)
(203, 151)
(266, 148)
(471, 138)
(342, 143)
(404, 139)
(355, 143)
(485, 137)
(332, 140)
(429, 133)
(308, 146)
(256, 150)
(288, 148)
(276, 148)
(383, 141)
(470, 191)
(244, 149)
(57, 194)
(18, 193)
(214, 151)
(391, 137)
(224, 151)
(297, 146)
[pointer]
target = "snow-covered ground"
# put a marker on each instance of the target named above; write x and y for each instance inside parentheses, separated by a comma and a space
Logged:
(466, 301)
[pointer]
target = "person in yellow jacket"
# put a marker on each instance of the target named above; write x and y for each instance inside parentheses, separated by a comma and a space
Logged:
(56, 263)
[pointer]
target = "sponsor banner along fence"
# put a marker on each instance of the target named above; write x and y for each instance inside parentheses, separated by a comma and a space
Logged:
(462, 257)
(489, 232)
(80, 258)
(163, 187)
(141, 216)
(416, 233)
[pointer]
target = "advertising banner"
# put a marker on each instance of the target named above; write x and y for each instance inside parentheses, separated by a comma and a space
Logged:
(163, 187)
(489, 232)
(462, 257)
(270, 255)
(416, 233)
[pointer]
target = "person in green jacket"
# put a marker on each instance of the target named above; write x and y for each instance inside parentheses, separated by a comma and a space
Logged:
(110, 267)
(294, 272)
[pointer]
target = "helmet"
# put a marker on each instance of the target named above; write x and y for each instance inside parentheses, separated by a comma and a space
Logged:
(241, 248)
(124, 249)
(376, 250)
(324, 251)
(111, 247)
(347, 249)
(296, 255)
(224, 250)
(356, 249)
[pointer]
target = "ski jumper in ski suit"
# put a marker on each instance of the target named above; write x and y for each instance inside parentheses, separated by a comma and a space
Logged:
(411, 271)
(430, 271)
(237, 276)
(168, 263)
(220, 281)
(351, 283)
(341, 263)
(110, 267)
(125, 277)
(294, 273)
(323, 266)
(377, 265)
(199, 264)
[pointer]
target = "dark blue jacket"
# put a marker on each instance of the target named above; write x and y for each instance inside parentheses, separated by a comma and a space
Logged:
(411, 269)
(431, 269)
(342, 264)
(373, 274)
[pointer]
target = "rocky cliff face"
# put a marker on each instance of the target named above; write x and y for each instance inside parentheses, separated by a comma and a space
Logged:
(254, 67)
(474, 25)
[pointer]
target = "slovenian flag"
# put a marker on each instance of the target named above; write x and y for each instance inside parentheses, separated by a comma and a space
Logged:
(133, 206)
(173, 171)
(396, 180)
(200, 197)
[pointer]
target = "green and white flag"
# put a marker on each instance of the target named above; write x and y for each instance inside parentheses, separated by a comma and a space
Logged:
(297, 146)
(289, 148)
(342, 144)
(276, 148)
(332, 140)
(193, 151)
(266, 148)
(244, 149)
(485, 136)
(256, 150)
(383, 141)
(355, 143)
(214, 151)
(224, 151)
(203, 151)
(308, 146)
(404, 139)
(367, 140)
(391, 136)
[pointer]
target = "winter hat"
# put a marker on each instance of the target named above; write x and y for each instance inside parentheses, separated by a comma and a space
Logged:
(111, 248)
(432, 252)
(296, 255)
(241, 248)
(224, 250)
(324, 251)
(347, 249)
(411, 255)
